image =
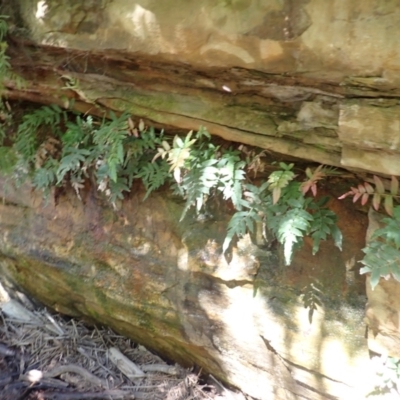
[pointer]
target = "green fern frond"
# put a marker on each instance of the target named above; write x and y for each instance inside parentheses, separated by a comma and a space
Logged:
(382, 254)
(280, 179)
(194, 189)
(202, 134)
(3, 26)
(240, 223)
(381, 260)
(72, 160)
(8, 159)
(26, 143)
(153, 176)
(46, 176)
(117, 189)
(391, 231)
(78, 133)
(292, 227)
(110, 137)
(323, 225)
(231, 175)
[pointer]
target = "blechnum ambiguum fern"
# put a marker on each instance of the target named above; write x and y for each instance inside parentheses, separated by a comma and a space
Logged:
(107, 151)
(5, 67)
(202, 169)
(209, 170)
(382, 253)
(288, 213)
(55, 148)
(6, 74)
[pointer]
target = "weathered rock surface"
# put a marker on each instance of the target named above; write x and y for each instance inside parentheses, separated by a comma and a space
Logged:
(383, 315)
(300, 78)
(334, 41)
(383, 307)
(167, 286)
(305, 79)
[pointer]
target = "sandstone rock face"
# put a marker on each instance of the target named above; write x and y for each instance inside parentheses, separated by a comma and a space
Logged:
(306, 36)
(383, 314)
(366, 130)
(272, 74)
(305, 79)
(168, 286)
(383, 307)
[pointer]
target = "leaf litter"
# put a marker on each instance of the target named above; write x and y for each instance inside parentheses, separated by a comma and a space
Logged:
(47, 356)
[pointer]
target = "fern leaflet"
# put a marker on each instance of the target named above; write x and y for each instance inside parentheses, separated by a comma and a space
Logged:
(240, 223)
(382, 254)
(153, 176)
(72, 160)
(45, 177)
(322, 225)
(293, 225)
(381, 260)
(280, 179)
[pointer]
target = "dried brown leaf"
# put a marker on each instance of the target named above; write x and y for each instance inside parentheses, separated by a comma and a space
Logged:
(313, 178)
(361, 188)
(357, 196)
(305, 187)
(376, 201)
(364, 199)
(314, 189)
(368, 188)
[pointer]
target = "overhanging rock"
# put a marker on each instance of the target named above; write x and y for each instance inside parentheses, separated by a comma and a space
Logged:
(277, 76)
(304, 79)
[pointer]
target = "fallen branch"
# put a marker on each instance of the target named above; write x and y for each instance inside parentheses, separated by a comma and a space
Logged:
(126, 366)
(35, 376)
(62, 369)
(165, 369)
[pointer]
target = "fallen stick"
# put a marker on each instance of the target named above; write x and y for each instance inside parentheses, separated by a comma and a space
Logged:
(126, 366)
(35, 376)
(165, 369)
(57, 328)
(62, 369)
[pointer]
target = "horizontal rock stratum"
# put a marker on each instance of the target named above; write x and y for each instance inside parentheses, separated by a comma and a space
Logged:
(315, 80)
(307, 79)
(169, 287)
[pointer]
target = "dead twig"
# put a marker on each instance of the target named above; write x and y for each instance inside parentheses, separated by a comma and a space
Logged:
(126, 366)
(62, 369)
(163, 368)
(110, 365)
